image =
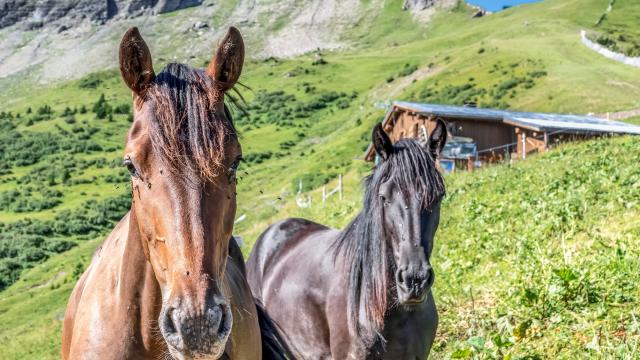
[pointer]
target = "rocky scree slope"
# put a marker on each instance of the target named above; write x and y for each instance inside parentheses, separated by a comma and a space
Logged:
(46, 41)
(35, 14)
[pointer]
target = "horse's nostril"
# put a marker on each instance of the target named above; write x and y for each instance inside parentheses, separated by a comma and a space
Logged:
(430, 277)
(217, 319)
(169, 329)
(401, 277)
(223, 314)
(169, 322)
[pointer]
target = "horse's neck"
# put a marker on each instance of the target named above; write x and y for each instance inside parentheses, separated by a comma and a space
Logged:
(137, 284)
(135, 271)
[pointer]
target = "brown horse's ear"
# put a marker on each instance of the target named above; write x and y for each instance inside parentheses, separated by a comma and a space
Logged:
(437, 139)
(135, 61)
(381, 142)
(226, 64)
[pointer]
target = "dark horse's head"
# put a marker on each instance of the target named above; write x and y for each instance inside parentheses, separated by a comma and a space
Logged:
(409, 187)
(390, 242)
(182, 152)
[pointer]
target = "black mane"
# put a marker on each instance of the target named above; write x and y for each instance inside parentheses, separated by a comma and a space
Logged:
(363, 246)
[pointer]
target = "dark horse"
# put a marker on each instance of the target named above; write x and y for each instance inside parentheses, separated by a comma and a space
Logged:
(364, 292)
(168, 282)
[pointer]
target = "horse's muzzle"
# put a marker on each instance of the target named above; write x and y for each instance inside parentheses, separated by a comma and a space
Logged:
(196, 335)
(414, 285)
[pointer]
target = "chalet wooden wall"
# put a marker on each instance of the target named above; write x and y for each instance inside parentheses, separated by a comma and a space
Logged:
(486, 134)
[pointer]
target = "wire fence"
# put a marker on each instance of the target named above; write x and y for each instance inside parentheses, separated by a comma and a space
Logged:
(515, 144)
(502, 153)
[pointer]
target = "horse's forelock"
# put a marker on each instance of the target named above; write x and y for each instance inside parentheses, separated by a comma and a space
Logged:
(187, 131)
(414, 172)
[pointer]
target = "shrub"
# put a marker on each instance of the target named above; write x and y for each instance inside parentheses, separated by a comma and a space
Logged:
(286, 145)
(257, 158)
(319, 61)
(122, 109)
(90, 82)
(45, 110)
(101, 108)
(10, 270)
(407, 70)
(312, 181)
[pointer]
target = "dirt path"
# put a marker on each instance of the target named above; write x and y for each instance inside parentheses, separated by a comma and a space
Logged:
(57, 276)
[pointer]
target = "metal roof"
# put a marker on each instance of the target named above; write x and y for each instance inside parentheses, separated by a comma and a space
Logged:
(529, 120)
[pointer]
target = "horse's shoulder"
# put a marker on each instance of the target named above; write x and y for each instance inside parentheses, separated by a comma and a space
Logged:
(290, 230)
(292, 226)
(103, 271)
(278, 240)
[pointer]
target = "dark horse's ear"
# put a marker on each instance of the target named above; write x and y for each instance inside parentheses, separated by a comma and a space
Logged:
(381, 142)
(437, 139)
(226, 64)
(135, 61)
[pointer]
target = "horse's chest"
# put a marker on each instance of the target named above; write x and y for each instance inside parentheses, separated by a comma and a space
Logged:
(409, 334)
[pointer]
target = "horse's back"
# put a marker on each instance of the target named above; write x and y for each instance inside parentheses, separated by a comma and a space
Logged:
(291, 270)
(273, 243)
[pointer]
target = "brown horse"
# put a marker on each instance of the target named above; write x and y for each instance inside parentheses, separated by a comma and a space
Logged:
(364, 292)
(168, 282)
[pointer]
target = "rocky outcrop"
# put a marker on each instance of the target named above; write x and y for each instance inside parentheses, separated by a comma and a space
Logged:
(171, 5)
(37, 13)
(418, 4)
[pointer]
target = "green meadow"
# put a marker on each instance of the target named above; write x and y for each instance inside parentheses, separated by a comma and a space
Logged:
(534, 259)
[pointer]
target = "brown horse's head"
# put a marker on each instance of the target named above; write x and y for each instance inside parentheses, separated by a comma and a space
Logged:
(182, 152)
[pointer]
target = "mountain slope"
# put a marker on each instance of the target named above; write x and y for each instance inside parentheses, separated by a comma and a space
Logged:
(81, 42)
(310, 120)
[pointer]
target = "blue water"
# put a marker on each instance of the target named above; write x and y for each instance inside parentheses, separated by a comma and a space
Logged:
(497, 5)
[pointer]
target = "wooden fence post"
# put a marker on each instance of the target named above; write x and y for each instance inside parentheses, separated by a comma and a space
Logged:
(546, 141)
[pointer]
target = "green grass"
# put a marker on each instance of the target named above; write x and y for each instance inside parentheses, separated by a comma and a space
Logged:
(32, 309)
(504, 287)
(528, 262)
(543, 260)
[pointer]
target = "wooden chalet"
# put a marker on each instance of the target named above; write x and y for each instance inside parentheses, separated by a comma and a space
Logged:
(478, 136)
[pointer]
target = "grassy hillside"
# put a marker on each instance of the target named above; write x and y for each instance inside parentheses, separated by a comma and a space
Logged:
(525, 258)
(528, 262)
(616, 27)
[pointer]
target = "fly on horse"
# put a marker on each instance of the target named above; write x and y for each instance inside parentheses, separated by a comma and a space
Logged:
(169, 281)
(364, 292)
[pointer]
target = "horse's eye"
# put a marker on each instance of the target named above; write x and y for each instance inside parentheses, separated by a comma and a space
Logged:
(131, 167)
(234, 169)
(384, 200)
